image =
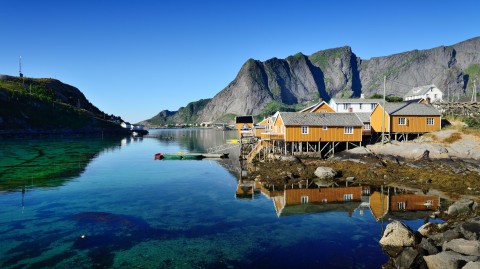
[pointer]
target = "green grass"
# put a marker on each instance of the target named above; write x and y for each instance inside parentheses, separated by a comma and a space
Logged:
(32, 104)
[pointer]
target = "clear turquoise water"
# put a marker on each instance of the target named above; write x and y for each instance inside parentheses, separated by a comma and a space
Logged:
(113, 206)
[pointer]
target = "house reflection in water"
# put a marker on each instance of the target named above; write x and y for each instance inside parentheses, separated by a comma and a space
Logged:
(381, 201)
(292, 200)
(393, 201)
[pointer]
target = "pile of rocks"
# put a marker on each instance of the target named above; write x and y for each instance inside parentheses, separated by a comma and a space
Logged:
(446, 245)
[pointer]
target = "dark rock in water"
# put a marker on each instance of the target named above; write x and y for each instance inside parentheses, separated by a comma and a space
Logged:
(409, 258)
(110, 219)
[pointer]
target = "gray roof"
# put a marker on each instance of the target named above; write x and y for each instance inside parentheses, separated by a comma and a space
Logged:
(411, 109)
(356, 100)
(364, 116)
(420, 90)
(320, 119)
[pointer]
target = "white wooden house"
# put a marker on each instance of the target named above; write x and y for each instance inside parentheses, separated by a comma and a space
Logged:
(429, 92)
(354, 104)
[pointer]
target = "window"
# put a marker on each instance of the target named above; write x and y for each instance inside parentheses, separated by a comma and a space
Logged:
(348, 130)
(346, 106)
(360, 106)
(435, 96)
(402, 121)
(325, 127)
(324, 200)
(428, 204)
(430, 121)
(348, 197)
(372, 106)
(304, 129)
(304, 200)
(366, 126)
(401, 205)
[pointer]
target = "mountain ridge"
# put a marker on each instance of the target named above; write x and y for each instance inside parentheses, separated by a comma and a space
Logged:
(339, 72)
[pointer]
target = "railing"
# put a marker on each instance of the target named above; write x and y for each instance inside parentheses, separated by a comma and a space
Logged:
(256, 149)
(272, 136)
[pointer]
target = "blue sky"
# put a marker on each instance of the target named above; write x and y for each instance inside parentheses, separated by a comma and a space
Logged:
(136, 58)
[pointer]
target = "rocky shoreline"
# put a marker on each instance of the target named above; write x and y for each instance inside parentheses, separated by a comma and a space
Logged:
(434, 163)
(453, 244)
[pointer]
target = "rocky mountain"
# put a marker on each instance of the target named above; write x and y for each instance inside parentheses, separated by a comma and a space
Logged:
(32, 106)
(184, 115)
(339, 72)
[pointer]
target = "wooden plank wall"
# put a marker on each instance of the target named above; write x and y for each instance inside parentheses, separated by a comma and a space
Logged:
(316, 134)
(415, 124)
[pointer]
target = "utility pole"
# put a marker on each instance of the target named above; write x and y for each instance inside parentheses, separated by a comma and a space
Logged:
(473, 92)
(383, 113)
(20, 74)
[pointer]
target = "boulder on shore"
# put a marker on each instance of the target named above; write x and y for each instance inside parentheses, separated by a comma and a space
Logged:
(462, 246)
(447, 259)
(325, 173)
(398, 234)
(460, 208)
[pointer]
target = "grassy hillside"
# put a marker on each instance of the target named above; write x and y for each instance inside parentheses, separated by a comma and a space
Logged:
(185, 115)
(48, 106)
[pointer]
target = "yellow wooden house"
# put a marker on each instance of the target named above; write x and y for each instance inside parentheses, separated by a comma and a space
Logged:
(320, 107)
(244, 126)
(308, 132)
(405, 118)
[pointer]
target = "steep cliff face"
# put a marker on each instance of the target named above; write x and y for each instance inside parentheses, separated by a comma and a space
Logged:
(339, 72)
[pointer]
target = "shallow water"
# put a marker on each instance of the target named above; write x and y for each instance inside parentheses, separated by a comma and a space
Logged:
(106, 203)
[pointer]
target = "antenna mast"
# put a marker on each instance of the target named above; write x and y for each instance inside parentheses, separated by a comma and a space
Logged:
(20, 67)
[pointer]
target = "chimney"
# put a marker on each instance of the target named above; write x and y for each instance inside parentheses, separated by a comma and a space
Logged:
(362, 96)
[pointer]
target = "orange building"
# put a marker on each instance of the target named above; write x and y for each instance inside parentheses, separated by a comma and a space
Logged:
(390, 202)
(307, 200)
(318, 108)
(311, 132)
(404, 118)
(244, 125)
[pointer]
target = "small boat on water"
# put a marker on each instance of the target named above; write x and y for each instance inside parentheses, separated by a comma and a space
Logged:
(189, 156)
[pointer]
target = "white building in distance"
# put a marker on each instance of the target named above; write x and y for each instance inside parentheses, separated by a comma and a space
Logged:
(354, 104)
(428, 92)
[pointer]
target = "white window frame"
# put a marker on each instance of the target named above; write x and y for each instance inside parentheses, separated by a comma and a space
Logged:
(367, 126)
(430, 121)
(348, 130)
(360, 106)
(348, 197)
(401, 205)
(428, 203)
(346, 106)
(402, 121)
(304, 129)
(304, 200)
(325, 127)
(372, 106)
